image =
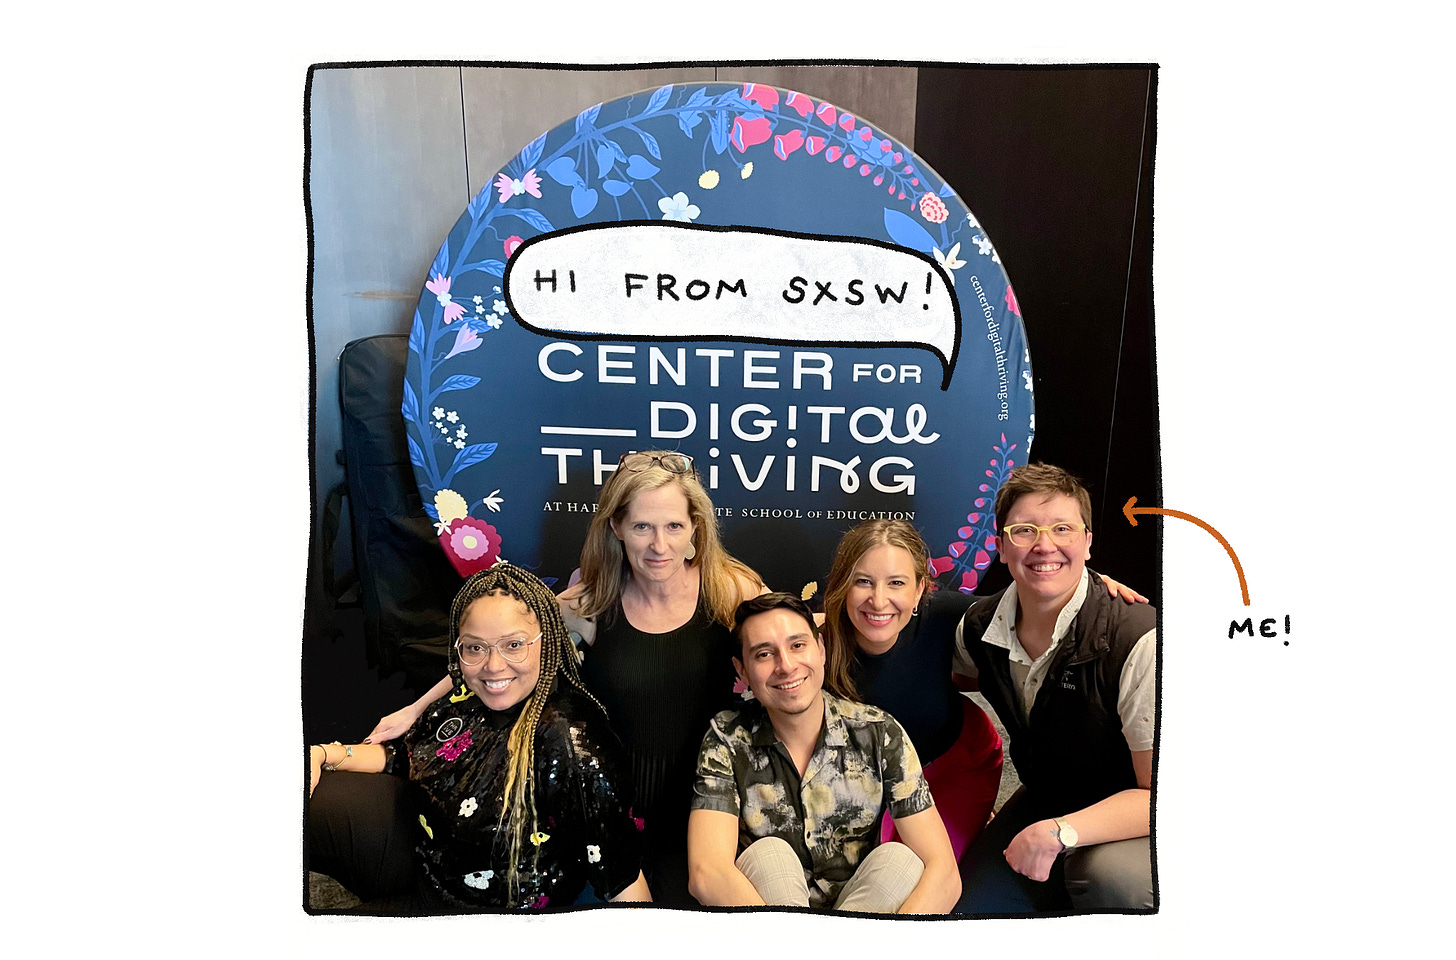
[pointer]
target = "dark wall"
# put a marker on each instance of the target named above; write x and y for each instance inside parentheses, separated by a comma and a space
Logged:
(1056, 164)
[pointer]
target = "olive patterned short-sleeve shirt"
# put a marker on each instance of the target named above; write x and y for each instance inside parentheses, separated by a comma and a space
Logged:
(863, 764)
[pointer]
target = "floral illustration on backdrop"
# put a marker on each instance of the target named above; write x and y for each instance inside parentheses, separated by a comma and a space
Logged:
(972, 555)
(611, 168)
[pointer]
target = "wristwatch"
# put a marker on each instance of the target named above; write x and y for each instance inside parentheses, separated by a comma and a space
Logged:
(1065, 833)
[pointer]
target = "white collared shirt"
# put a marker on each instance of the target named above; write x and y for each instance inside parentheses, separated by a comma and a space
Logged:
(1137, 689)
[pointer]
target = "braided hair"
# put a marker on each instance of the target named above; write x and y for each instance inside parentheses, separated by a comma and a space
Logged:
(558, 658)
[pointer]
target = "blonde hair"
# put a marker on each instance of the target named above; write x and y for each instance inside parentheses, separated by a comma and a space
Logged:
(838, 632)
(604, 567)
(558, 658)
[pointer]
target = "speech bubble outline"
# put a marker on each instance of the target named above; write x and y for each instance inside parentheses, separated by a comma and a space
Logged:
(522, 258)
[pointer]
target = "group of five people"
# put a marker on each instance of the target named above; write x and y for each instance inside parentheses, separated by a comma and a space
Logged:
(710, 742)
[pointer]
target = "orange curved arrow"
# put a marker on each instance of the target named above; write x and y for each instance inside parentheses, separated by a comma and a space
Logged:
(1128, 510)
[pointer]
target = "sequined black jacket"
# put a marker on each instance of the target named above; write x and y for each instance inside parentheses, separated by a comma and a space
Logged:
(455, 757)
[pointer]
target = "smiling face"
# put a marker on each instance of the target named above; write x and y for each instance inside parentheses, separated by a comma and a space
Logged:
(783, 662)
(883, 594)
(1044, 572)
(656, 531)
(499, 683)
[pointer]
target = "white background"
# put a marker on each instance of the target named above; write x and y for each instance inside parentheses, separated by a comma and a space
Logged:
(156, 393)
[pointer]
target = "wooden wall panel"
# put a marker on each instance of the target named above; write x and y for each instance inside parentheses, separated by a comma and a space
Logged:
(386, 182)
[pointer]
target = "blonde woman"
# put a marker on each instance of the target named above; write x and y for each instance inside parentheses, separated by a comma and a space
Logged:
(654, 607)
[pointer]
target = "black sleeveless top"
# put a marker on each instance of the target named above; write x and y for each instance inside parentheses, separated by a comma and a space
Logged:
(660, 690)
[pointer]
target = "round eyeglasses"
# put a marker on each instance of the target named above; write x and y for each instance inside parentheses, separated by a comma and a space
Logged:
(1027, 534)
(671, 462)
(513, 649)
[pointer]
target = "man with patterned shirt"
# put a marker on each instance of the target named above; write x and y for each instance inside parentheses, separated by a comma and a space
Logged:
(791, 789)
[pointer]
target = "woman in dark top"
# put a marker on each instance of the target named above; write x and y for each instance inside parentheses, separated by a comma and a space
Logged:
(517, 785)
(895, 649)
(653, 607)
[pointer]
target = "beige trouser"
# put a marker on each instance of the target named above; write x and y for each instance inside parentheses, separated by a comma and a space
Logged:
(881, 884)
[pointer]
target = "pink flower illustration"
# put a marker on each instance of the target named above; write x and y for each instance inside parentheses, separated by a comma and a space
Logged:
(932, 209)
(512, 242)
(452, 749)
(540, 902)
(788, 143)
(465, 340)
(1011, 303)
(799, 102)
(527, 183)
(827, 113)
(748, 133)
(471, 545)
(815, 145)
(766, 97)
(440, 287)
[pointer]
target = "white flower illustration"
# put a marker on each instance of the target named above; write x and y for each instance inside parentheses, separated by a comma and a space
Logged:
(476, 298)
(453, 417)
(971, 219)
(593, 853)
(677, 207)
(439, 412)
(493, 501)
(948, 260)
(494, 323)
(459, 444)
(468, 806)
(461, 433)
(479, 308)
(480, 880)
(983, 244)
(500, 306)
(442, 527)
(1026, 375)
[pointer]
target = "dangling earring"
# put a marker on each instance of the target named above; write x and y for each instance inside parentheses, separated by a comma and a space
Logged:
(692, 551)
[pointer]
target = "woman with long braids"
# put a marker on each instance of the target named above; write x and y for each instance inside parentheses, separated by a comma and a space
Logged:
(653, 607)
(517, 786)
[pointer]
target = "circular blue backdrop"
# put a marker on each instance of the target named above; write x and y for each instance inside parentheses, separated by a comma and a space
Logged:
(476, 398)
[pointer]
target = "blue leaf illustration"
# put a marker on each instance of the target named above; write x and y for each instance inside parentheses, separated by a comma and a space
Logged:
(640, 168)
(489, 266)
(480, 202)
(532, 216)
(532, 153)
(617, 151)
(563, 171)
(417, 334)
(586, 118)
(650, 142)
(687, 121)
(605, 159)
(945, 190)
(411, 406)
(718, 124)
(699, 96)
(469, 457)
(416, 457)
(583, 201)
(431, 511)
(442, 260)
(906, 232)
(458, 382)
(658, 99)
(616, 187)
